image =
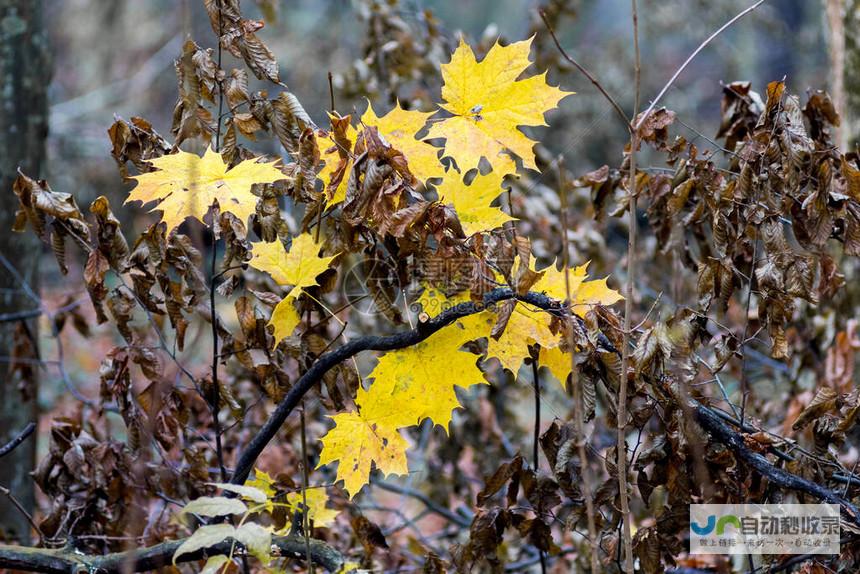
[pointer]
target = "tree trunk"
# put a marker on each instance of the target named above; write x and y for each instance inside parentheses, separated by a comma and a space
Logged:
(24, 75)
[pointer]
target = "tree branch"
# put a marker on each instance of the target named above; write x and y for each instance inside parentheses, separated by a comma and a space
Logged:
(584, 71)
(21, 437)
(690, 58)
(706, 418)
(372, 343)
(66, 561)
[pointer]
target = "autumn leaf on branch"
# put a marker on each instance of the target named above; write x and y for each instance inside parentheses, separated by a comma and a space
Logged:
(399, 127)
(298, 267)
(472, 202)
(528, 327)
(359, 443)
(409, 385)
(187, 185)
(417, 383)
(316, 499)
(488, 104)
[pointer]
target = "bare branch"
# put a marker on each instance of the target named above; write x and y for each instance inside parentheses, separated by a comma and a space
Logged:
(691, 57)
(19, 438)
(587, 74)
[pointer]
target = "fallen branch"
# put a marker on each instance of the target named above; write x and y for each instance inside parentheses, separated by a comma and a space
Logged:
(71, 561)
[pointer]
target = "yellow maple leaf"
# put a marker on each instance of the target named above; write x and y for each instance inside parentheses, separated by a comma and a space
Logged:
(530, 326)
(488, 104)
(592, 293)
(357, 443)
(525, 327)
(187, 185)
(472, 202)
(417, 383)
(285, 318)
(557, 362)
(399, 127)
(316, 500)
(433, 301)
(409, 385)
(299, 267)
(583, 294)
(263, 482)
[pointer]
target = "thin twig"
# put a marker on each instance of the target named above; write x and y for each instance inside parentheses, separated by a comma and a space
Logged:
(331, 91)
(431, 505)
(743, 342)
(586, 73)
(692, 56)
(8, 494)
(215, 401)
(536, 453)
(536, 384)
(306, 519)
(574, 382)
(18, 439)
(621, 416)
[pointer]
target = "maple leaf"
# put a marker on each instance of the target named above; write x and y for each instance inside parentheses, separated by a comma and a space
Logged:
(472, 202)
(583, 294)
(528, 327)
(316, 500)
(488, 104)
(409, 385)
(187, 185)
(525, 327)
(357, 443)
(263, 482)
(285, 318)
(417, 383)
(298, 267)
(557, 361)
(399, 127)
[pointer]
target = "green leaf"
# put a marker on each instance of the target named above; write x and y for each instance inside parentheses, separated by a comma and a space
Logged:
(249, 492)
(257, 539)
(215, 506)
(204, 537)
(214, 564)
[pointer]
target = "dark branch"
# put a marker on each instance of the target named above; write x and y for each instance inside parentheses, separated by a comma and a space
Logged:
(21, 437)
(707, 418)
(587, 74)
(67, 561)
(371, 343)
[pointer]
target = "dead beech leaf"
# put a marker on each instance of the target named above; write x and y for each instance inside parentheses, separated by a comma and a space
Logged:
(824, 401)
